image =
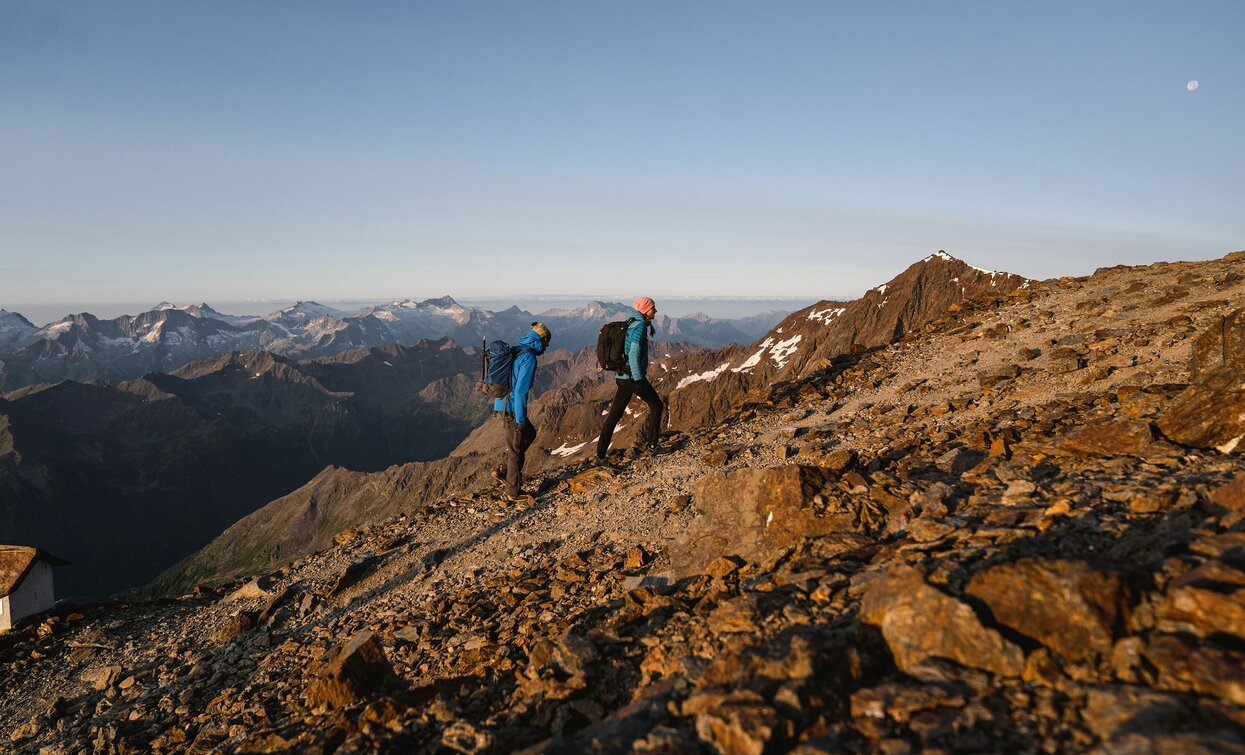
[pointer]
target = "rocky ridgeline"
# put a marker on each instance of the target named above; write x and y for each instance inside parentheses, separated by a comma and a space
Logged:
(705, 388)
(1019, 528)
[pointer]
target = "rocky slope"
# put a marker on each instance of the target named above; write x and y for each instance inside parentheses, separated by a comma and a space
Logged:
(569, 419)
(706, 387)
(338, 498)
(83, 347)
(1018, 528)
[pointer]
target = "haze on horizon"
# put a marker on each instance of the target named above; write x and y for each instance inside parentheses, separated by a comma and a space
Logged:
(242, 151)
(42, 314)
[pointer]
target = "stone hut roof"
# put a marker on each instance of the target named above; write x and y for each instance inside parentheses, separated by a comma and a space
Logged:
(17, 560)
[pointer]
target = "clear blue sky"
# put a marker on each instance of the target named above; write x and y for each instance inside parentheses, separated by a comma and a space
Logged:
(234, 150)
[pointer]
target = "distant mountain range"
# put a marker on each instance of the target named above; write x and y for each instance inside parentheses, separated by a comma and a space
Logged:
(83, 347)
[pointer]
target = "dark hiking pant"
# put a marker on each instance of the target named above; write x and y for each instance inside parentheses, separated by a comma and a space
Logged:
(623, 392)
(518, 439)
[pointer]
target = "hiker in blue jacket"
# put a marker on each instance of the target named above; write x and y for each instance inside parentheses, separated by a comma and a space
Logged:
(519, 429)
(634, 382)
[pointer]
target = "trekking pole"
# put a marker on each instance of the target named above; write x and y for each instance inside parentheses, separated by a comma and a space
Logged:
(483, 360)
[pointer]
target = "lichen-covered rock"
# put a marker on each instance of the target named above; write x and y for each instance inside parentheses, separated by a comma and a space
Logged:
(1231, 495)
(1206, 668)
(1220, 345)
(919, 621)
(1210, 413)
(1068, 606)
(1113, 709)
(735, 724)
(357, 670)
(560, 667)
(1206, 601)
(1111, 438)
(752, 513)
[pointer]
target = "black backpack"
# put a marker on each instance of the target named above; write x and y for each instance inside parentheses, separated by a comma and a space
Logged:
(612, 346)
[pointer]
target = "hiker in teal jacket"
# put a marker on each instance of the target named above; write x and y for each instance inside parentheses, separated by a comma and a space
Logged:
(520, 432)
(634, 382)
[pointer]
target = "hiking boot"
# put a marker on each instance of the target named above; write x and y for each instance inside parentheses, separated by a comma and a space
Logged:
(639, 452)
(519, 498)
(603, 462)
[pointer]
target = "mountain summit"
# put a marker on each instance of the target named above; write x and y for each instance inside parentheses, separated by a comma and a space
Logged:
(15, 329)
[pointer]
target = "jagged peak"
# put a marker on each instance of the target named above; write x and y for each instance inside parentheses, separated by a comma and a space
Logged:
(941, 255)
(7, 315)
(304, 309)
(252, 360)
(593, 309)
(444, 301)
(203, 307)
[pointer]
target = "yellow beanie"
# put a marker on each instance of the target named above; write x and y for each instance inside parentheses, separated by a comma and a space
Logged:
(540, 330)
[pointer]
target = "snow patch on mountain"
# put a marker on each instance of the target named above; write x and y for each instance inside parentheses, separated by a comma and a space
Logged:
(990, 273)
(565, 450)
(304, 311)
(825, 316)
(708, 375)
(756, 358)
(153, 334)
(783, 350)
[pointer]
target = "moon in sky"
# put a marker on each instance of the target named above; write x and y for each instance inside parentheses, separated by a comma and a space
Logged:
(1192, 86)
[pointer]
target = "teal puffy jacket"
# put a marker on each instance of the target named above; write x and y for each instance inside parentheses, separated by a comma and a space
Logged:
(636, 347)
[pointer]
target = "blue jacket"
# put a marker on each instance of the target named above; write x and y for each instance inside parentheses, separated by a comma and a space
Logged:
(521, 375)
(636, 347)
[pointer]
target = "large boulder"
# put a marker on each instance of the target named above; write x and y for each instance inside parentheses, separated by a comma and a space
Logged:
(1123, 709)
(558, 668)
(1210, 413)
(919, 621)
(753, 513)
(1068, 606)
(356, 671)
(1126, 437)
(1230, 496)
(1207, 668)
(1207, 601)
(1221, 345)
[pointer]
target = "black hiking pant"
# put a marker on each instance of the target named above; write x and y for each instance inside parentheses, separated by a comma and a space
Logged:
(518, 439)
(623, 392)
